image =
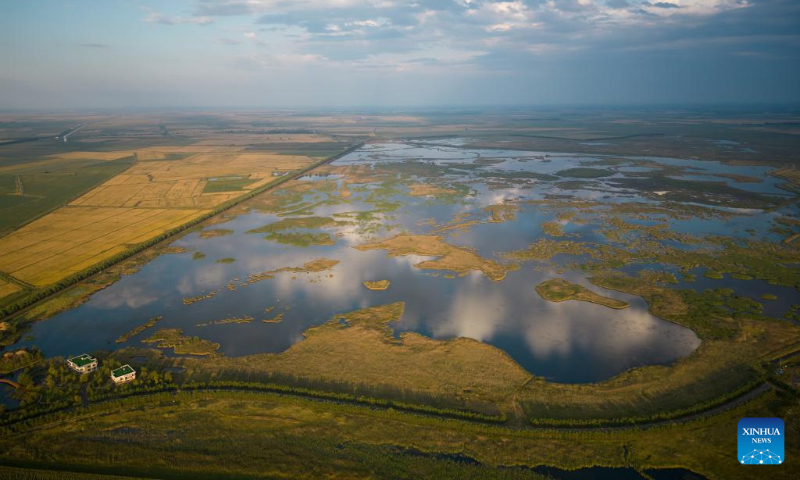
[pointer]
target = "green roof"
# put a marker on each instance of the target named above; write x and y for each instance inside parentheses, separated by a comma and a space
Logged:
(82, 360)
(123, 370)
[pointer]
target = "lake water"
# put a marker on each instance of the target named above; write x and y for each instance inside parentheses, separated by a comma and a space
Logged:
(573, 342)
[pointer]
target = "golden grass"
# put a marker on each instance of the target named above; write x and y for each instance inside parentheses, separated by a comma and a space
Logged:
(502, 212)
(377, 285)
(423, 189)
(218, 232)
(358, 347)
(182, 345)
(276, 319)
(457, 259)
(314, 266)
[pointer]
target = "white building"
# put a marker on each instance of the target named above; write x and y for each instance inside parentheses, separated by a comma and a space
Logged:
(123, 374)
(82, 363)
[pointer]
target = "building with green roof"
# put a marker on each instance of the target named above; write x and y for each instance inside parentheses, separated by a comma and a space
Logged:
(82, 363)
(123, 374)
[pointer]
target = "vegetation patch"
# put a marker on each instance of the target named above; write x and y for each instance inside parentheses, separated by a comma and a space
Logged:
(227, 184)
(297, 222)
(560, 290)
(457, 259)
(377, 285)
(139, 329)
(18, 359)
(502, 212)
(358, 347)
(181, 344)
(228, 321)
(226, 260)
(553, 229)
(301, 239)
(199, 298)
(424, 189)
(218, 232)
(545, 249)
(276, 319)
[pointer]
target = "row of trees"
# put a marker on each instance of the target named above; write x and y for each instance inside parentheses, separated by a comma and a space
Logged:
(346, 398)
(61, 392)
(652, 418)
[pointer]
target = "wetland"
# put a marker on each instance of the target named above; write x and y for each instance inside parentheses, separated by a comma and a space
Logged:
(464, 236)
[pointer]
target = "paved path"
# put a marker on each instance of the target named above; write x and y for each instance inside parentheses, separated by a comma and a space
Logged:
(10, 382)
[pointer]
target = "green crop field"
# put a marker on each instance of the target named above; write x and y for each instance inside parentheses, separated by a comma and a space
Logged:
(45, 190)
(227, 185)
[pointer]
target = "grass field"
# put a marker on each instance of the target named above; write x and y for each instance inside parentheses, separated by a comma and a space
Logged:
(262, 435)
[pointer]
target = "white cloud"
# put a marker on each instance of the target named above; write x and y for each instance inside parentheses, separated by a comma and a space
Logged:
(157, 17)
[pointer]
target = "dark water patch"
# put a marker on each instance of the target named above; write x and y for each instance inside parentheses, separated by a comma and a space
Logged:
(589, 473)
(753, 288)
(592, 473)
(6, 397)
(674, 474)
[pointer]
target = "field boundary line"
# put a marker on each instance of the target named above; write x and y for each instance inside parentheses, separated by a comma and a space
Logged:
(11, 279)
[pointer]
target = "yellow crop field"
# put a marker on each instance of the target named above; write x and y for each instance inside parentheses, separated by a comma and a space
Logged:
(152, 196)
(7, 288)
(73, 238)
(99, 156)
(180, 183)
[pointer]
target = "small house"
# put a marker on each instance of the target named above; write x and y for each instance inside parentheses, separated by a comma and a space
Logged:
(123, 374)
(82, 363)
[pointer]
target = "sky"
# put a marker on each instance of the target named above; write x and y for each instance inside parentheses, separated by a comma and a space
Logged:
(340, 53)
